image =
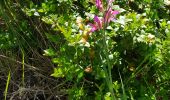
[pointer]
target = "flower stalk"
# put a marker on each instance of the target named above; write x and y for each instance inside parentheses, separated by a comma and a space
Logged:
(100, 24)
(109, 68)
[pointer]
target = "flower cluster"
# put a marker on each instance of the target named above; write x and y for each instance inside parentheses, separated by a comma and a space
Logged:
(108, 15)
(99, 22)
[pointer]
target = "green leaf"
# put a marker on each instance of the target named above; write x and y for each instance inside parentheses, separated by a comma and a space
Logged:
(49, 52)
(57, 72)
(41, 10)
(107, 96)
(80, 75)
(66, 30)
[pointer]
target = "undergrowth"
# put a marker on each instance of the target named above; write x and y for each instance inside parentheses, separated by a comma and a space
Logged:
(84, 49)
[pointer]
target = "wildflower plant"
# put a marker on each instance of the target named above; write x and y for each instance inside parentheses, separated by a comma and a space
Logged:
(100, 24)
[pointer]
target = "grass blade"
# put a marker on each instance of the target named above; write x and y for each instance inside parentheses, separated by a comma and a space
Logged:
(7, 84)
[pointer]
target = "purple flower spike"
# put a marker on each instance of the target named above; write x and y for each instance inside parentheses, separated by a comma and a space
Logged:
(94, 27)
(97, 25)
(115, 12)
(98, 21)
(99, 5)
(107, 16)
(110, 15)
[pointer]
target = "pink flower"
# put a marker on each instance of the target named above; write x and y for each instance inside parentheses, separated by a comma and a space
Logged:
(110, 15)
(97, 24)
(94, 27)
(99, 5)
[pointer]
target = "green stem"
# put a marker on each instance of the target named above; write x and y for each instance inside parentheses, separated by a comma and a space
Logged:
(108, 70)
(7, 85)
(23, 68)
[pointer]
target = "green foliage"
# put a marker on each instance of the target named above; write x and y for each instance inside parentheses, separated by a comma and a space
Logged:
(134, 41)
(129, 57)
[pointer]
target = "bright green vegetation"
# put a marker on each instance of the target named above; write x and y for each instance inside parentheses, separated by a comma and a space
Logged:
(49, 52)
